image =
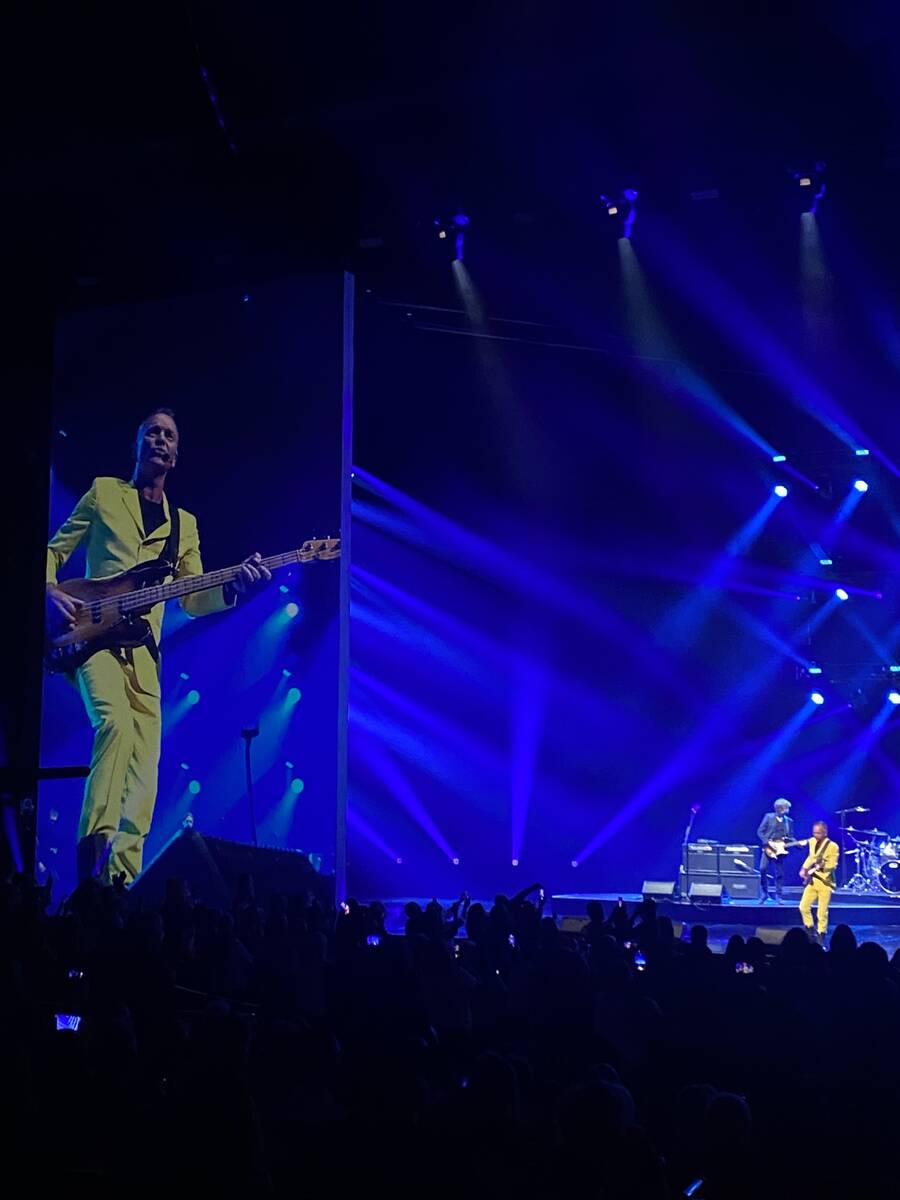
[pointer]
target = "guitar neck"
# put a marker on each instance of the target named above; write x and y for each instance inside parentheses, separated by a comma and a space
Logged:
(202, 583)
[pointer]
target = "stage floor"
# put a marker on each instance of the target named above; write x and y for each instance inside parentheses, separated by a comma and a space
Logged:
(848, 907)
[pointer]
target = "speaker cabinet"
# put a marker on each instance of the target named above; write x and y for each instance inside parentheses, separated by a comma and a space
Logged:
(212, 868)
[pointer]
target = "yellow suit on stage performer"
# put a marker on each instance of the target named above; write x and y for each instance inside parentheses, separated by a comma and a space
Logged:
(818, 871)
(126, 523)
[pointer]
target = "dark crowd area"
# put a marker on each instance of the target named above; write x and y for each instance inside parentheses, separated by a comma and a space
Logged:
(278, 1049)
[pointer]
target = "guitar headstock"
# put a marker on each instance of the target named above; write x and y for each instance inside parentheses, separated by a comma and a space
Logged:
(321, 548)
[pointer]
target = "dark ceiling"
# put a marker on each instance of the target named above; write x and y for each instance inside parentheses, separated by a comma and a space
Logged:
(347, 120)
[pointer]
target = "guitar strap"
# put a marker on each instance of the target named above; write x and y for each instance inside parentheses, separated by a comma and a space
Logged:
(168, 554)
(172, 544)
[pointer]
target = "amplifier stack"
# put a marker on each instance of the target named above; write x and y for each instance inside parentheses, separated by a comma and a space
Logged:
(711, 865)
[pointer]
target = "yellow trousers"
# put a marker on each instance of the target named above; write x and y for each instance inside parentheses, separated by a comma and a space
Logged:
(120, 791)
(818, 893)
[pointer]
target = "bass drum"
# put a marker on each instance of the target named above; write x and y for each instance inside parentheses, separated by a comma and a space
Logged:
(889, 877)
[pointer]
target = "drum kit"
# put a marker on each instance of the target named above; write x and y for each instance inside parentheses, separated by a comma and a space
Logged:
(877, 856)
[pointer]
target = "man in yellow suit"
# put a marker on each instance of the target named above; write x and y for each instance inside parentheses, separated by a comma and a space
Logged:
(126, 523)
(818, 872)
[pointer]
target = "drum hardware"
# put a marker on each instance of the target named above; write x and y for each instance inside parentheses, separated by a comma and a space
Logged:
(877, 861)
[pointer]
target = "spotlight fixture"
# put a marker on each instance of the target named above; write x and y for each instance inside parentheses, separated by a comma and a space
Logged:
(623, 205)
(811, 179)
(860, 485)
(779, 458)
(455, 862)
(455, 228)
(515, 862)
(291, 610)
(842, 593)
(813, 669)
(780, 490)
(894, 697)
(817, 698)
(861, 452)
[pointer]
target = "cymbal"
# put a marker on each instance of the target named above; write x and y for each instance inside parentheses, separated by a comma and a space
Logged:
(856, 808)
(866, 832)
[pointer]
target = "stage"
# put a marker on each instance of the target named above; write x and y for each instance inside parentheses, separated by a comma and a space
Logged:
(868, 911)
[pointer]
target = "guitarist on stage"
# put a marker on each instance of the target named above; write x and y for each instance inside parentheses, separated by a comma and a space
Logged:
(775, 827)
(818, 872)
(126, 523)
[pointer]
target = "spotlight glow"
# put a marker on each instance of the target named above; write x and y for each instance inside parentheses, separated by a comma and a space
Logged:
(861, 452)
(826, 562)
(860, 485)
(193, 697)
(284, 589)
(286, 673)
(184, 675)
(612, 210)
(805, 181)
(294, 695)
(780, 490)
(292, 609)
(842, 594)
(894, 697)
(894, 668)
(185, 766)
(194, 787)
(817, 698)
(515, 862)
(812, 669)
(779, 458)
(455, 862)
(399, 862)
(297, 786)
(574, 862)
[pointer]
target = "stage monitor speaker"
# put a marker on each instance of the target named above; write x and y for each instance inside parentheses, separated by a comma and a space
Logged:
(659, 889)
(212, 868)
(705, 891)
(771, 936)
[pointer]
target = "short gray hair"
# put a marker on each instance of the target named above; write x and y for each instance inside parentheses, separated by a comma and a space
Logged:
(781, 802)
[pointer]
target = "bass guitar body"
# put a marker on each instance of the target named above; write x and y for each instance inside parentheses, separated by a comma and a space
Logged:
(102, 623)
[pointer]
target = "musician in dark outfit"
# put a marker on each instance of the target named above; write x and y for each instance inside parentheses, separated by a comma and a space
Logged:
(775, 826)
(125, 523)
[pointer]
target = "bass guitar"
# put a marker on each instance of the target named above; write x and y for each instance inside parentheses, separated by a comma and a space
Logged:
(112, 610)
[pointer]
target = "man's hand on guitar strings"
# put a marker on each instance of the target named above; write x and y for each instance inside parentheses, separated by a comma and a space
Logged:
(62, 609)
(252, 574)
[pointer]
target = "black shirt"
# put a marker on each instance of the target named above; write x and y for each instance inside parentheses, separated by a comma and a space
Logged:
(152, 515)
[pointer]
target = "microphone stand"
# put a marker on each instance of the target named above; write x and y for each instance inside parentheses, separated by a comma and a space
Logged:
(248, 735)
(695, 808)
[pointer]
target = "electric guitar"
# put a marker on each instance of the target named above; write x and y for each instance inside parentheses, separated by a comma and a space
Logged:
(779, 847)
(806, 873)
(114, 608)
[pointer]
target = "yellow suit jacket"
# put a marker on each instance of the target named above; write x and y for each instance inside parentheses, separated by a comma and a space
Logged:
(109, 516)
(829, 858)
